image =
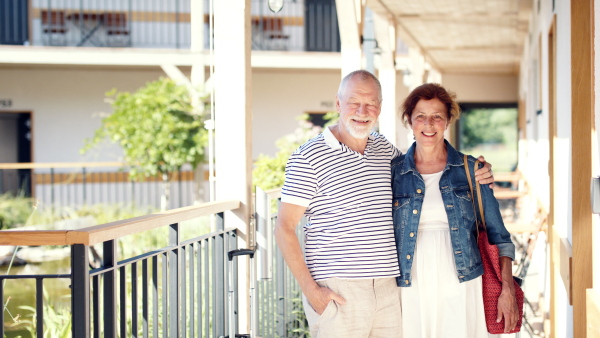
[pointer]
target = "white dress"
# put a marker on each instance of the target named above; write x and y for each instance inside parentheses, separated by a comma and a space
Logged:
(437, 305)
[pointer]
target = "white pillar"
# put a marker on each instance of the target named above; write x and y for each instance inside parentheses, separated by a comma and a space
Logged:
(197, 78)
(233, 124)
(385, 34)
(350, 16)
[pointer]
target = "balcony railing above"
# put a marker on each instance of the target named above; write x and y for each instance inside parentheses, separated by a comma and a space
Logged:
(302, 25)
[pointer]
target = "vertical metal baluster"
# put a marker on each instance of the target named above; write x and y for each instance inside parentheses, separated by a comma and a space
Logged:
(133, 201)
(39, 306)
(219, 261)
(233, 246)
(191, 297)
(83, 186)
(93, 184)
(145, 297)
(106, 192)
(174, 280)
(199, 281)
(109, 253)
(158, 188)
(207, 296)
(177, 43)
(214, 289)
(226, 283)
(134, 300)
(116, 186)
(180, 189)
(182, 287)
(100, 188)
(123, 297)
(155, 297)
(52, 187)
(96, 306)
(280, 295)
(165, 297)
(80, 291)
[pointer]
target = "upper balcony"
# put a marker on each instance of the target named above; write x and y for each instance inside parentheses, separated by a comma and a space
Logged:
(302, 25)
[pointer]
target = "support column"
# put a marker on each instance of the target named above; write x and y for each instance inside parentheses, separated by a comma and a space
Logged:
(582, 126)
(350, 18)
(197, 78)
(233, 128)
(385, 34)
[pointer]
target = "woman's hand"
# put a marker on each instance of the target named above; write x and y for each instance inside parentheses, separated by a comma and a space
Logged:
(484, 175)
(507, 308)
(507, 302)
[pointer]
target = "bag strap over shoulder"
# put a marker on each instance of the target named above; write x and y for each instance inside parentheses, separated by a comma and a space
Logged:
(478, 192)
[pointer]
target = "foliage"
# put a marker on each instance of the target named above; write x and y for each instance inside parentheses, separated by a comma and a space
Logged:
(57, 320)
(269, 172)
(155, 128)
(14, 211)
(488, 126)
(493, 133)
(298, 327)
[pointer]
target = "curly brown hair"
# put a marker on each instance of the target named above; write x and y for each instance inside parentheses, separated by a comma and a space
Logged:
(429, 91)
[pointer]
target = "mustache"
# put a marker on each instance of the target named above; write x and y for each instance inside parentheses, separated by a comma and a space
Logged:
(365, 119)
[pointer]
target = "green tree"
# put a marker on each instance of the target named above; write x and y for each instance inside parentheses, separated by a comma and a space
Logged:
(486, 126)
(156, 129)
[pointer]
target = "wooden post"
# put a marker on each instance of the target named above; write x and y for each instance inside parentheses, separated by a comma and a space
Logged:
(582, 126)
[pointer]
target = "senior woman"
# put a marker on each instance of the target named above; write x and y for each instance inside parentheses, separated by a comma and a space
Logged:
(435, 228)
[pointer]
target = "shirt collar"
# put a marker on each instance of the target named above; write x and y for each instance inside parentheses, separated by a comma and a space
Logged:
(334, 143)
(330, 139)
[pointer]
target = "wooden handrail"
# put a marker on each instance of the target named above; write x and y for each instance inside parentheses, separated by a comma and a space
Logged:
(113, 230)
(274, 193)
(38, 165)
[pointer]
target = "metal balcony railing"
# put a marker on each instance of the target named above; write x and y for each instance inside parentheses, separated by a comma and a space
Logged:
(177, 290)
(73, 185)
(302, 25)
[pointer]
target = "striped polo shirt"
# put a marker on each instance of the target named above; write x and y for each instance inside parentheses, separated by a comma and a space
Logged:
(348, 196)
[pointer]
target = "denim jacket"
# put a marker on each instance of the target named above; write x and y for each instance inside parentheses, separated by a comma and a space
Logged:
(408, 192)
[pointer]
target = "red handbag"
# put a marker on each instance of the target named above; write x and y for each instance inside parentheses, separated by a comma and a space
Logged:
(492, 275)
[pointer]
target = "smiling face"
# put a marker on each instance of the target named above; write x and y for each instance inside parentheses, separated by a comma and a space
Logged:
(428, 121)
(359, 106)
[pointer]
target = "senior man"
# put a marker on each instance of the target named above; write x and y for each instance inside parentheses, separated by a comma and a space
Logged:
(341, 181)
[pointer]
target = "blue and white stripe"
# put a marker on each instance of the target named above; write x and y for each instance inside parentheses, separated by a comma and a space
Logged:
(348, 196)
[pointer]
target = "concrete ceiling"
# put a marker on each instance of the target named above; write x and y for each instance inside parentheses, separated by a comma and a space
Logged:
(462, 36)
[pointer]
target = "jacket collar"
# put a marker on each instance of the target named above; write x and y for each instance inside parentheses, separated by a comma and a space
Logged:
(455, 158)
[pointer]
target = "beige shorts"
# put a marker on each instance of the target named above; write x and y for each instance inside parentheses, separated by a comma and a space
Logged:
(372, 309)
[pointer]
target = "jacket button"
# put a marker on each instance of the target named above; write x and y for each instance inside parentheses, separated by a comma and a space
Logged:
(461, 276)
(396, 203)
(419, 191)
(415, 211)
(407, 256)
(406, 281)
(412, 234)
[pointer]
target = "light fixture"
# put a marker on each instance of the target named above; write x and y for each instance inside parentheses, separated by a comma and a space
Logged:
(376, 50)
(275, 5)
(406, 77)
